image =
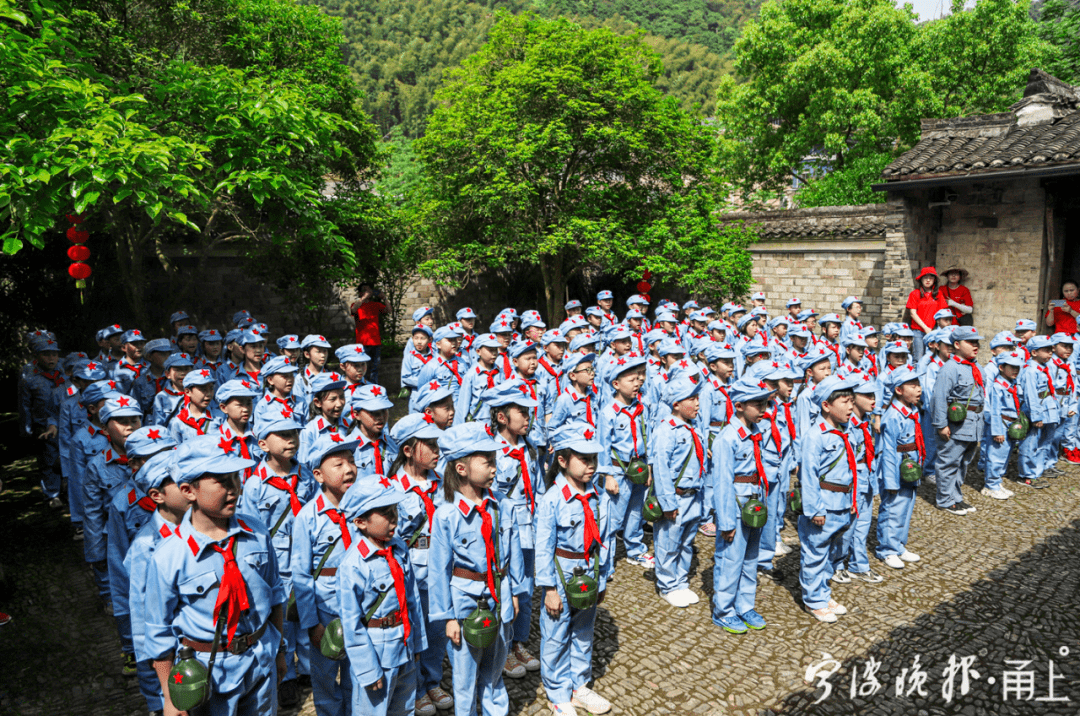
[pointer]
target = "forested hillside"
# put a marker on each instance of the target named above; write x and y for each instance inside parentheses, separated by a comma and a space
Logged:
(398, 49)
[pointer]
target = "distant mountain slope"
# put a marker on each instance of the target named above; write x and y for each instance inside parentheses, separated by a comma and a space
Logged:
(399, 49)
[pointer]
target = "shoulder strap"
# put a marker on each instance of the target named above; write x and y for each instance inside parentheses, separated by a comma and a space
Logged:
(326, 556)
(281, 521)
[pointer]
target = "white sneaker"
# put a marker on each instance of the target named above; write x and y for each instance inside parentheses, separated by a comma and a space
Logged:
(566, 709)
(781, 549)
(998, 494)
(1008, 492)
(894, 561)
(837, 608)
(591, 701)
(691, 596)
(823, 615)
(676, 599)
(908, 556)
(424, 707)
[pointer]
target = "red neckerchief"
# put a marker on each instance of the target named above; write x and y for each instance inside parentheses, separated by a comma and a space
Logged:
(1068, 373)
(788, 420)
(286, 408)
(486, 530)
(853, 465)
(1045, 371)
(398, 574)
(699, 450)
(1011, 389)
(287, 484)
(377, 460)
(425, 497)
(144, 502)
(167, 391)
(489, 373)
(228, 440)
(590, 529)
(588, 404)
(233, 589)
(773, 429)
(135, 368)
(728, 412)
(110, 456)
(633, 415)
(873, 364)
(920, 445)
(185, 417)
(759, 464)
(520, 455)
(868, 440)
(453, 366)
(976, 374)
(338, 518)
(547, 366)
(507, 369)
(56, 377)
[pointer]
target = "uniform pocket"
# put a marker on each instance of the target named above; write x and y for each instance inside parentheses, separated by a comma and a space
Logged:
(198, 585)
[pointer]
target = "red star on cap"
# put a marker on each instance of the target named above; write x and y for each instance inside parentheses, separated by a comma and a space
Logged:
(621, 361)
(91, 366)
(336, 437)
(433, 385)
(225, 445)
(588, 434)
(358, 349)
(245, 384)
(682, 363)
(376, 390)
(136, 333)
(321, 338)
(761, 384)
(112, 384)
(204, 373)
(123, 402)
(153, 434)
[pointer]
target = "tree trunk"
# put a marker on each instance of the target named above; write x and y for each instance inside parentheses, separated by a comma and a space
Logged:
(551, 268)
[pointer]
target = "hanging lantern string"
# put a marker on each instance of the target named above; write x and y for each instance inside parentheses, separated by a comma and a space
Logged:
(79, 254)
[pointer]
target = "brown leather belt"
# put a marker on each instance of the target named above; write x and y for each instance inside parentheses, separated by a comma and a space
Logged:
(975, 409)
(833, 487)
(390, 620)
(717, 424)
(567, 554)
(239, 644)
(680, 491)
(748, 479)
(907, 447)
(1062, 391)
(328, 572)
(476, 576)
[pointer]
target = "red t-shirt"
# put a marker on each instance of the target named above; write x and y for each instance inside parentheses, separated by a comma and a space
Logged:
(961, 295)
(367, 323)
(1064, 322)
(925, 305)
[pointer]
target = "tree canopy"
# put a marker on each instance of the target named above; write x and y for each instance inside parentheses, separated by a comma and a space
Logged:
(552, 147)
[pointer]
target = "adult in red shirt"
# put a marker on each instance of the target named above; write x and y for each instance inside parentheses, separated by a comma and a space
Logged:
(1062, 318)
(365, 312)
(922, 304)
(957, 296)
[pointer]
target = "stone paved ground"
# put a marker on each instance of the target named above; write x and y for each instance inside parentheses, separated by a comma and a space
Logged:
(998, 585)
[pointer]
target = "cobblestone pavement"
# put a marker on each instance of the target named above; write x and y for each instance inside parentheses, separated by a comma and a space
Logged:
(999, 585)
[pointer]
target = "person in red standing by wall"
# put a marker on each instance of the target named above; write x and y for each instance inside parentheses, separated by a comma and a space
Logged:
(1064, 311)
(957, 296)
(922, 304)
(366, 311)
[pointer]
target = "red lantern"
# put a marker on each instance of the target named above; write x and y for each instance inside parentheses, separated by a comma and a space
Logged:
(77, 237)
(647, 275)
(643, 286)
(74, 218)
(79, 271)
(78, 253)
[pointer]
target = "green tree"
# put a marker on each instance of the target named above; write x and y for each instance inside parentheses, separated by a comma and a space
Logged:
(210, 124)
(552, 147)
(849, 79)
(849, 186)
(1059, 24)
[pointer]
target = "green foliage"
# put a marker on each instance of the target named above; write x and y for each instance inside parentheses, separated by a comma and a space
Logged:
(849, 186)
(200, 126)
(1059, 24)
(399, 51)
(552, 147)
(853, 78)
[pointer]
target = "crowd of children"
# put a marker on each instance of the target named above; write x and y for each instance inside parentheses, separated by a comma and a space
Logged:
(253, 512)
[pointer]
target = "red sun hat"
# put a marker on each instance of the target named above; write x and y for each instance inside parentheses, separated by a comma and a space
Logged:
(927, 271)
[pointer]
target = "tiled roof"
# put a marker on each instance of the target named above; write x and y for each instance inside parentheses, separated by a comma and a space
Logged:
(827, 222)
(1042, 130)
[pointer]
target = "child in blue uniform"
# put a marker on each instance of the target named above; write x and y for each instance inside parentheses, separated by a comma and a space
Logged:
(519, 480)
(194, 416)
(778, 456)
(165, 403)
(326, 404)
(321, 538)
(40, 414)
(623, 436)
(475, 555)
(1065, 390)
(443, 367)
(901, 436)
(131, 365)
(855, 563)
(480, 376)
(414, 472)
(576, 401)
(417, 355)
(739, 474)
(1037, 384)
(221, 570)
(155, 377)
(959, 382)
(1006, 403)
(376, 450)
(74, 420)
(677, 456)
(573, 532)
(828, 477)
(277, 401)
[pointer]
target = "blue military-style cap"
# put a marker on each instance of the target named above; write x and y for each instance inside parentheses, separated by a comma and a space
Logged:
(903, 330)
(868, 331)
(509, 313)
(666, 316)
(158, 345)
(1003, 339)
(91, 370)
(155, 470)
(133, 336)
(865, 386)
(604, 296)
(313, 340)
(552, 336)
(120, 406)
(459, 441)
(179, 360)
(717, 325)
(236, 389)
(1036, 343)
(573, 361)
(509, 392)
(112, 330)
(719, 351)
(444, 332)
(421, 312)
(633, 313)
(369, 494)
(1015, 358)
(622, 364)
(414, 425)
(680, 387)
(179, 316)
(418, 328)
(327, 380)
(465, 313)
(744, 319)
(1062, 338)
(277, 364)
(670, 346)
(833, 384)
(246, 323)
(205, 455)
(830, 318)
(792, 302)
(583, 340)
(812, 358)
(637, 300)
(240, 315)
(99, 390)
(594, 311)
(897, 346)
(1026, 324)
(572, 304)
(745, 390)
(210, 335)
(519, 348)
(903, 374)
(850, 301)
(753, 348)
(486, 340)
(698, 315)
(853, 339)
(691, 305)
(807, 313)
(756, 312)
(736, 308)
(352, 353)
(203, 376)
(943, 313)
(279, 424)
(618, 332)
(577, 436)
(431, 392)
(249, 336)
(965, 333)
(290, 342)
(501, 325)
(799, 331)
(233, 335)
(187, 330)
(531, 319)
(655, 335)
(371, 398)
(149, 440)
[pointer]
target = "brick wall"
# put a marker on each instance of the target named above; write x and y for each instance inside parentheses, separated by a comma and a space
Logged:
(911, 243)
(995, 231)
(821, 279)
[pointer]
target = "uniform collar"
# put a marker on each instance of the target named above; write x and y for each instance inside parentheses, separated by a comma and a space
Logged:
(467, 507)
(407, 483)
(903, 410)
(369, 549)
(163, 527)
(227, 432)
(359, 436)
(265, 473)
(197, 542)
